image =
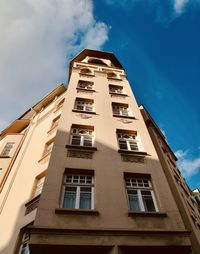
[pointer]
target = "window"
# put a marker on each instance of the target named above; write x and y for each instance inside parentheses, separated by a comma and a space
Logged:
(7, 149)
(24, 249)
(120, 109)
(39, 185)
(127, 141)
(85, 85)
(116, 89)
(96, 61)
(86, 71)
(140, 195)
(48, 147)
(82, 136)
(78, 191)
(112, 75)
(60, 103)
(55, 122)
(84, 105)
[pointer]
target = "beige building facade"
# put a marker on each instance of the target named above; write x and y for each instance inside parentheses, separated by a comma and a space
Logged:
(81, 172)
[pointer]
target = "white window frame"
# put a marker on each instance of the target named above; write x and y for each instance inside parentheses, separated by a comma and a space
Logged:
(78, 186)
(116, 89)
(48, 147)
(127, 139)
(139, 188)
(87, 105)
(25, 243)
(85, 85)
(7, 149)
(39, 185)
(55, 122)
(120, 109)
(83, 133)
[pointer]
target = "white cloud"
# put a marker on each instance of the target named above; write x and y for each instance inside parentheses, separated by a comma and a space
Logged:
(37, 40)
(189, 167)
(179, 5)
(165, 11)
(180, 154)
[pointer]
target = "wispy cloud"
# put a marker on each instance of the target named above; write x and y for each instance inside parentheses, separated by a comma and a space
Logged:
(189, 167)
(179, 5)
(165, 11)
(37, 40)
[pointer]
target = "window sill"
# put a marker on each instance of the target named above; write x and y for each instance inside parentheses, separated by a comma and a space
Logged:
(86, 90)
(44, 156)
(146, 214)
(112, 78)
(90, 148)
(82, 111)
(132, 152)
(76, 211)
(5, 156)
(118, 94)
(127, 117)
(53, 129)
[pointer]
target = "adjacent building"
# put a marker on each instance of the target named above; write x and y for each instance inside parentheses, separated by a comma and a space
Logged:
(86, 170)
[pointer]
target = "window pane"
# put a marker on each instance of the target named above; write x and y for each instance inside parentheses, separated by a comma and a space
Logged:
(133, 200)
(80, 107)
(148, 201)
(7, 149)
(88, 108)
(133, 145)
(76, 139)
(87, 141)
(85, 198)
(25, 249)
(69, 197)
(122, 144)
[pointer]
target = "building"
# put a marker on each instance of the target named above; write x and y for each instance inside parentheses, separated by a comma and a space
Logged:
(86, 170)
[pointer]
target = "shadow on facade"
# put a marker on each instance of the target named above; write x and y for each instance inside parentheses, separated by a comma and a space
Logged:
(113, 227)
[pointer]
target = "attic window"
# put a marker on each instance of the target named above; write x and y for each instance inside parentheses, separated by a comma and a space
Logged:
(112, 75)
(96, 61)
(86, 71)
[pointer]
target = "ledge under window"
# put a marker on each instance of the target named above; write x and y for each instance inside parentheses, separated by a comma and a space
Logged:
(5, 156)
(127, 117)
(76, 211)
(44, 156)
(87, 90)
(91, 148)
(118, 94)
(132, 152)
(146, 214)
(82, 111)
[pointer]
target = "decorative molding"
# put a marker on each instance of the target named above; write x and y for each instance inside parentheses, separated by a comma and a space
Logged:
(119, 96)
(32, 204)
(80, 154)
(125, 121)
(132, 158)
(84, 112)
(84, 116)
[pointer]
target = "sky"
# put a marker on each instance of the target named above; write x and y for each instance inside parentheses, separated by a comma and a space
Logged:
(156, 41)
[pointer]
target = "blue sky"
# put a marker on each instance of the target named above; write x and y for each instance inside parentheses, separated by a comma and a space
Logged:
(159, 46)
(157, 42)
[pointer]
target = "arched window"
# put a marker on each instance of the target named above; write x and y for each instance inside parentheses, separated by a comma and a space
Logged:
(111, 75)
(96, 61)
(85, 71)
